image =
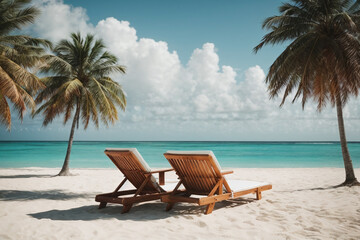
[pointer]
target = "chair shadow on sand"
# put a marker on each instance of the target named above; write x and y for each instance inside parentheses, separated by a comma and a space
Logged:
(54, 194)
(26, 176)
(140, 212)
(312, 189)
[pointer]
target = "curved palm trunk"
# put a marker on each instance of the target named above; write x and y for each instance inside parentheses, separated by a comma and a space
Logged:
(349, 170)
(65, 171)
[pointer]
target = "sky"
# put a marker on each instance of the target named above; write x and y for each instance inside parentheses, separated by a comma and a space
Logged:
(191, 74)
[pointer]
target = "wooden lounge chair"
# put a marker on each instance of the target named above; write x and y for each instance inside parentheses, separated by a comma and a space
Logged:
(136, 171)
(200, 173)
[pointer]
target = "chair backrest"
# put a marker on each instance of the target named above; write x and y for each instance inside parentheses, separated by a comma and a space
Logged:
(130, 162)
(198, 170)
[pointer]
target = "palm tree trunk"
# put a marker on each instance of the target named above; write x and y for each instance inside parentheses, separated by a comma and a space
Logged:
(65, 171)
(350, 179)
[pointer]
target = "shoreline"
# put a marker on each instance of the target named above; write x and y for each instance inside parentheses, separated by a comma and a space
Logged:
(157, 168)
(301, 205)
(194, 141)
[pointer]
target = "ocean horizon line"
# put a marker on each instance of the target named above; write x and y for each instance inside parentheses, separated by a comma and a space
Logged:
(198, 141)
(194, 141)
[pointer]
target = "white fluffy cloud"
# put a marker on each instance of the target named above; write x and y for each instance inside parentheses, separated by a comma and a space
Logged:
(200, 96)
(57, 20)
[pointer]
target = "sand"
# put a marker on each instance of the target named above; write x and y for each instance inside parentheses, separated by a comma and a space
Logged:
(301, 205)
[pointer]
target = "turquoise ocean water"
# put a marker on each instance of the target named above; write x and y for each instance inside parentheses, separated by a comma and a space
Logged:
(229, 154)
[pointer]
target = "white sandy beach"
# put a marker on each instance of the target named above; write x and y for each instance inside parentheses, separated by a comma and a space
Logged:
(301, 205)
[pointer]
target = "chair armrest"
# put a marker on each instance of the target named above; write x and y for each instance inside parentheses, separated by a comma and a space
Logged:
(162, 175)
(227, 172)
(163, 170)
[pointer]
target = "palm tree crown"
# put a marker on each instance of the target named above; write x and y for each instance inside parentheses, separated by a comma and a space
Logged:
(18, 54)
(323, 59)
(81, 79)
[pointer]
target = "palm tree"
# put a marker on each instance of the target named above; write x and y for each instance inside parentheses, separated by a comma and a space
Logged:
(18, 54)
(322, 60)
(80, 86)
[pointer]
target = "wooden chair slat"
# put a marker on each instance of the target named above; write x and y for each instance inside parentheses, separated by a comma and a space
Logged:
(200, 175)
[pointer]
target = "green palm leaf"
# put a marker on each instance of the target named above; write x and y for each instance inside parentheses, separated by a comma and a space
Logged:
(18, 54)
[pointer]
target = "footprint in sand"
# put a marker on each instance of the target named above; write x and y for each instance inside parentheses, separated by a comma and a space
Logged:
(189, 217)
(312, 229)
(248, 222)
(232, 219)
(262, 218)
(201, 224)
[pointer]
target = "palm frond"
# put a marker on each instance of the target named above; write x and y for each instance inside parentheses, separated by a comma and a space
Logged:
(20, 75)
(322, 60)
(8, 86)
(15, 18)
(70, 89)
(81, 78)
(19, 55)
(5, 114)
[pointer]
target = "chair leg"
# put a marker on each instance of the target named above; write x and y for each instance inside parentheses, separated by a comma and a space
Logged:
(102, 205)
(126, 208)
(169, 206)
(209, 208)
(258, 195)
